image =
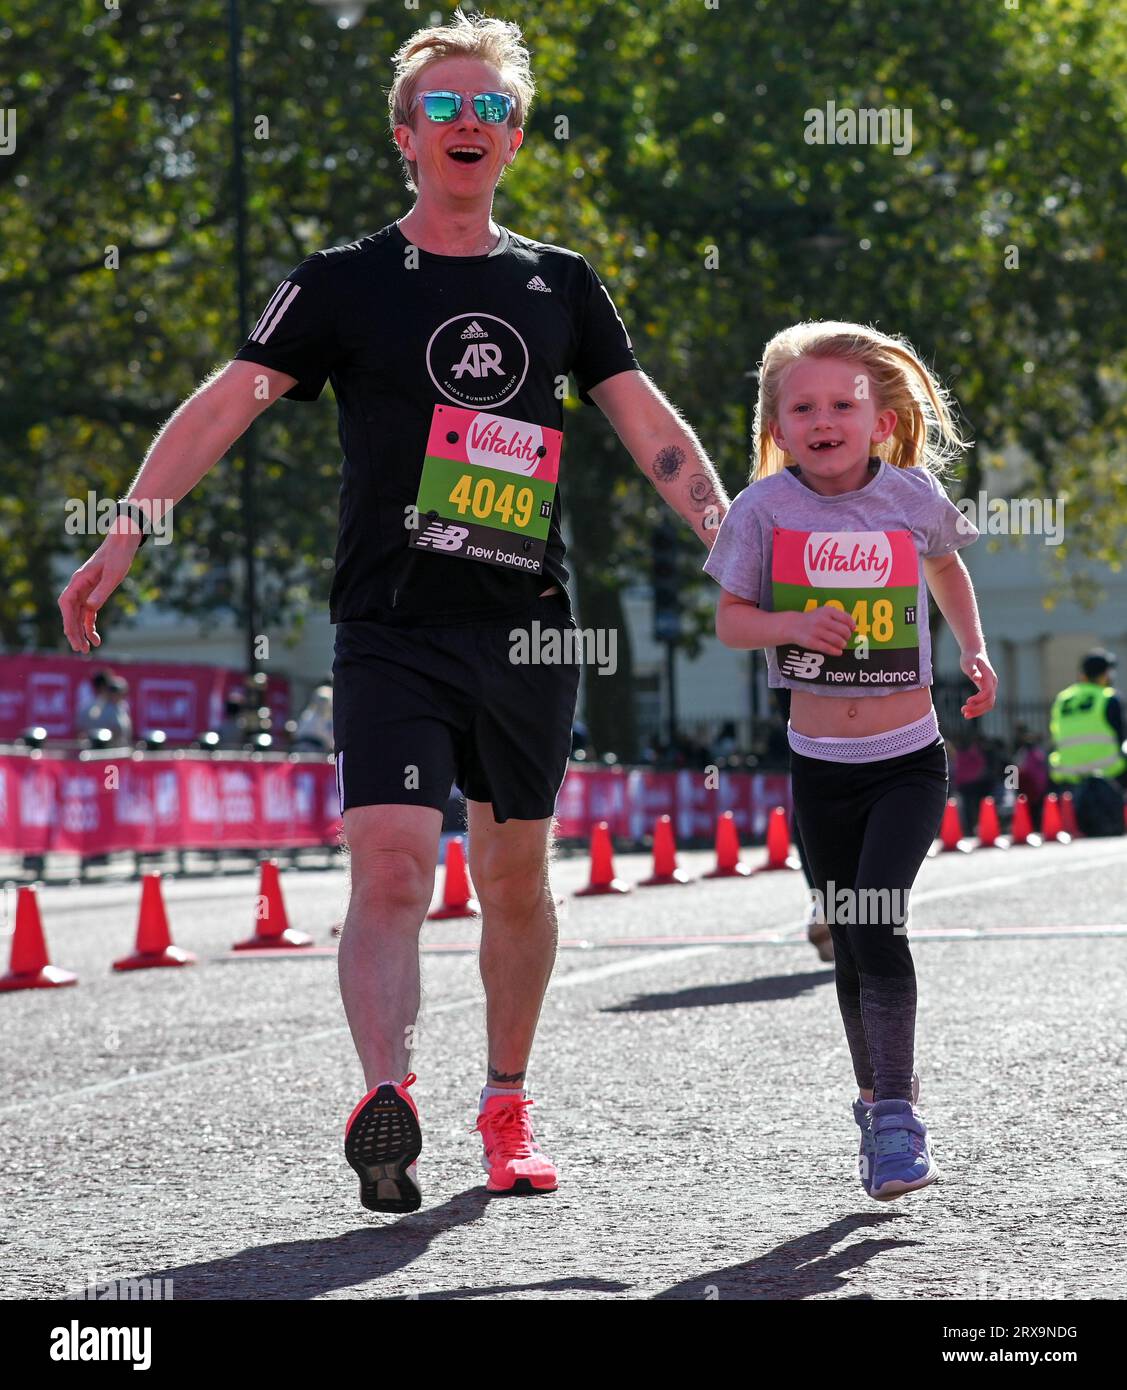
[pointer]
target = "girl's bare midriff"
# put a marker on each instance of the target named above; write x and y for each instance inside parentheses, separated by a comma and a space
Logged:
(821, 716)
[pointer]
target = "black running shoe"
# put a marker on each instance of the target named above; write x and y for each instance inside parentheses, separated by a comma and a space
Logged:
(382, 1140)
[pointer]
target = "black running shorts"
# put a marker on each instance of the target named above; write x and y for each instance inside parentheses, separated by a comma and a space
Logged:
(417, 709)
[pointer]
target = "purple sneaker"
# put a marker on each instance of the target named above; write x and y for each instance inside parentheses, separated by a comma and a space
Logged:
(866, 1155)
(901, 1159)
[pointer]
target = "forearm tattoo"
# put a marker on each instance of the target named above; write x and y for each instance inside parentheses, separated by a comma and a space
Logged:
(702, 493)
(504, 1078)
(668, 463)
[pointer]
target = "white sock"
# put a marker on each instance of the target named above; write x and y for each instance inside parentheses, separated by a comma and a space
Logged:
(488, 1092)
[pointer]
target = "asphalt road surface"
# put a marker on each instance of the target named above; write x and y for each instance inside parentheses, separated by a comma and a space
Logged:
(691, 1081)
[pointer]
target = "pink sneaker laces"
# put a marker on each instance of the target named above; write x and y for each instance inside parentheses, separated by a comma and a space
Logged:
(510, 1129)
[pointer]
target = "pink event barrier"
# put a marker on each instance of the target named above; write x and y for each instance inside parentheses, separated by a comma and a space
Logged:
(49, 804)
(105, 805)
(180, 698)
(631, 799)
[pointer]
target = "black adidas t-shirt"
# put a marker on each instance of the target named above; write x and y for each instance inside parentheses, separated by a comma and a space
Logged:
(399, 331)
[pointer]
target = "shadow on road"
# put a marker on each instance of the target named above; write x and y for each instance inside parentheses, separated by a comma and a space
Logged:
(739, 992)
(306, 1268)
(573, 1283)
(799, 1268)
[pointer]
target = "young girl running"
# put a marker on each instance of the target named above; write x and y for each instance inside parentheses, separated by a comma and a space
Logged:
(823, 561)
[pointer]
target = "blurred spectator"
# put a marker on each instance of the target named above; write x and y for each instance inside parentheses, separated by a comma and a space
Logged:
(972, 778)
(232, 731)
(997, 760)
(1086, 724)
(108, 709)
(1032, 771)
(95, 698)
(117, 709)
(1087, 728)
(315, 726)
(726, 742)
(691, 753)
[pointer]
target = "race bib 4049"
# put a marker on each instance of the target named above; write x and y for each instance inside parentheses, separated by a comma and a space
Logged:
(487, 488)
(871, 575)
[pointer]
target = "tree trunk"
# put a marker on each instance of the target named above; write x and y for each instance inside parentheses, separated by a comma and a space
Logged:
(609, 700)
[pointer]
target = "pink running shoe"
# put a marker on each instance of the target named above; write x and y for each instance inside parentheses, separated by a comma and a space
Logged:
(512, 1157)
(382, 1140)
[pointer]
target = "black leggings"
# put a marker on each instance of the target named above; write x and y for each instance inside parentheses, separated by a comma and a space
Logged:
(869, 826)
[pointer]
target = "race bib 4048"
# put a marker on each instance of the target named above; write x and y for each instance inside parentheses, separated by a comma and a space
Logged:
(871, 575)
(487, 487)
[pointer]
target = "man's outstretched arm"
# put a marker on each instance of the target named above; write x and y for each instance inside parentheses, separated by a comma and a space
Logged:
(191, 442)
(665, 449)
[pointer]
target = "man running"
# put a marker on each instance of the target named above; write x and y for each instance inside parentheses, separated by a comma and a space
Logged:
(448, 340)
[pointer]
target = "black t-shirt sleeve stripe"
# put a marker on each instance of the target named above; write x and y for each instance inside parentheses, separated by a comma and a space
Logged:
(604, 348)
(296, 332)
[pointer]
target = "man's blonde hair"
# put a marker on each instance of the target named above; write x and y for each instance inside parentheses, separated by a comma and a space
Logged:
(495, 41)
(926, 434)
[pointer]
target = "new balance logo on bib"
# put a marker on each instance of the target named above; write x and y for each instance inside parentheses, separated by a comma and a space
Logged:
(439, 537)
(801, 665)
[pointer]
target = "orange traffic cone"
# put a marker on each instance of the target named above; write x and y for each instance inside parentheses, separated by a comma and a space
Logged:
(778, 843)
(1051, 827)
(1068, 815)
(1021, 831)
(665, 858)
(456, 899)
(727, 849)
(154, 940)
(29, 967)
(602, 878)
(989, 830)
(951, 831)
(272, 931)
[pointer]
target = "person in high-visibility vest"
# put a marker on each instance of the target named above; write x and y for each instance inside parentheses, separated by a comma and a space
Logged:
(1086, 726)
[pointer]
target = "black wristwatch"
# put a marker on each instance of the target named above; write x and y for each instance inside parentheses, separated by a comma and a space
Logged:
(137, 514)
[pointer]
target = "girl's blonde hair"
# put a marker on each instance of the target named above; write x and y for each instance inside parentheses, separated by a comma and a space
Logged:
(495, 41)
(926, 434)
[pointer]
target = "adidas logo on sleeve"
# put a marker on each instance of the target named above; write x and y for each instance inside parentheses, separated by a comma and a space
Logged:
(282, 298)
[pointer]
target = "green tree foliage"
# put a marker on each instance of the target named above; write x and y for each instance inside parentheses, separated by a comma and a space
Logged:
(667, 143)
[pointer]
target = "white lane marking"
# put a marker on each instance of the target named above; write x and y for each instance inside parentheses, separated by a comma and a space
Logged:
(572, 977)
(62, 898)
(620, 967)
(1006, 881)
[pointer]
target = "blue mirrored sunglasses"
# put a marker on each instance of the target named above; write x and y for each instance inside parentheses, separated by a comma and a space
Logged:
(491, 107)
